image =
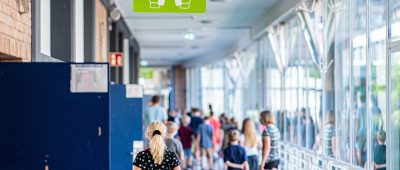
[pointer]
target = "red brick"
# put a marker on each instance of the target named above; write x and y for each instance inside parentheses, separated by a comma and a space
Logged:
(21, 36)
(1, 43)
(3, 27)
(29, 54)
(13, 50)
(15, 30)
(6, 45)
(7, 10)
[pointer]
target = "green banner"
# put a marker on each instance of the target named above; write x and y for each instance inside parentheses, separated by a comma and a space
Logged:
(170, 6)
(146, 72)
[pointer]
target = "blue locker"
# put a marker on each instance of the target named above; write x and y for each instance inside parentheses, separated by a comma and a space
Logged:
(40, 119)
(125, 127)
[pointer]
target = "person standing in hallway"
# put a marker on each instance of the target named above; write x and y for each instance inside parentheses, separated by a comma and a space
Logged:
(204, 143)
(217, 128)
(157, 156)
(380, 151)
(155, 112)
(361, 130)
(186, 135)
(251, 142)
(270, 140)
(235, 157)
(329, 135)
(195, 120)
(307, 126)
(173, 144)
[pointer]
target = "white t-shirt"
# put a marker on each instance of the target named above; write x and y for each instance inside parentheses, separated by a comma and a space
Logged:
(250, 151)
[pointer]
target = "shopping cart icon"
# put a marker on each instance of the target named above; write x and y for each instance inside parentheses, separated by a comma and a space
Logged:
(182, 4)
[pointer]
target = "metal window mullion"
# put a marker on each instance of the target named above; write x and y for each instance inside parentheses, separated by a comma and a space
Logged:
(388, 84)
(336, 80)
(351, 84)
(369, 115)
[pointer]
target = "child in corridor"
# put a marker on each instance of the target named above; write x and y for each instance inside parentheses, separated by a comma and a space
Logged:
(186, 135)
(204, 142)
(173, 144)
(235, 157)
(380, 151)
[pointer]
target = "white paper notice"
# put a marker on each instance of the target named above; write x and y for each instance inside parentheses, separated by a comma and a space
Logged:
(89, 78)
(134, 91)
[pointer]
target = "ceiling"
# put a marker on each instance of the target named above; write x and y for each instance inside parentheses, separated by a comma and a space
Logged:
(162, 36)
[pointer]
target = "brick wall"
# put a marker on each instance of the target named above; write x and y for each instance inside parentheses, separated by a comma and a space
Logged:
(101, 28)
(15, 30)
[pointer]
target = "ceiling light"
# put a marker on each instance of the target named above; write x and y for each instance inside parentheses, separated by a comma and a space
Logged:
(189, 36)
(144, 63)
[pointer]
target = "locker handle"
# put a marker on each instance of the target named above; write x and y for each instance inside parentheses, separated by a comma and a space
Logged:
(99, 131)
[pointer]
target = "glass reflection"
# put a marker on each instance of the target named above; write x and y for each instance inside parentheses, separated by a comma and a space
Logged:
(343, 78)
(377, 83)
(395, 111)
(394, 17)
(359, 81)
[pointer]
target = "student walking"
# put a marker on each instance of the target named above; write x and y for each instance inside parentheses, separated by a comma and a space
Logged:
(380, 151)
(270, 140)
(235, 157)
(204, 142)
(186, 135)
(251, 142)
(155, 112)
(158, 157)
(173, 144)
(195, 120)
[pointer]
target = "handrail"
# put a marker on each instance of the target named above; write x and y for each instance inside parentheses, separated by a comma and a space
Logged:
(329, 160)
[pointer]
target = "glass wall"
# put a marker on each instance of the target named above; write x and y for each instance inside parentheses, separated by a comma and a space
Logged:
(377, 89)
(212, 89)
(343, 82)
(324, 73)
(395, 111)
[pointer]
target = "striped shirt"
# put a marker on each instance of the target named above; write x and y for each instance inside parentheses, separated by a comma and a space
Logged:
(273, 132)
(329, 133)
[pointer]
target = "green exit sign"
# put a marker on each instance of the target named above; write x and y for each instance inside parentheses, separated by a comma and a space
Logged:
(170, 6)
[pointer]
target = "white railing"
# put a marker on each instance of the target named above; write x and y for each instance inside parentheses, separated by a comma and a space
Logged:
(295, 157)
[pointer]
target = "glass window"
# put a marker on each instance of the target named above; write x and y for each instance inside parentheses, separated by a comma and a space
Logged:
(395, 111)
(343, 78)
(359, 112)
(394, 17)
(377, 80)
(212, 88)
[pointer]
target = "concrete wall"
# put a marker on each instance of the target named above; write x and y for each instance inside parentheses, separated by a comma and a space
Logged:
(15, 30)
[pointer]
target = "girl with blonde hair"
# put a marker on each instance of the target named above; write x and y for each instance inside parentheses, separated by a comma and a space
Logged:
(251, 142)
(157, 156)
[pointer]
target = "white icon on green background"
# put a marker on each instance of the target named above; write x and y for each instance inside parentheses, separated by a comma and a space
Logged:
(182, 4)
(170, 6)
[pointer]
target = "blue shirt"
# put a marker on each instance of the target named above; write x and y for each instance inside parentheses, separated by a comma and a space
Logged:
(195, 122)
(235, 154)
(206, 135)
(155, 113)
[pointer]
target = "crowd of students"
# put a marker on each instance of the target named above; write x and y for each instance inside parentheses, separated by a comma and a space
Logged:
(178, 141)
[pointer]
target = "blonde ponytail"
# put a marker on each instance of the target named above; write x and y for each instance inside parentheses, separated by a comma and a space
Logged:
(157, 148)
(156, 132)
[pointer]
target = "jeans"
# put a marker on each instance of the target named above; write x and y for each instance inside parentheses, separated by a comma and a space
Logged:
(253, 162)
